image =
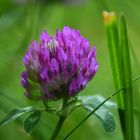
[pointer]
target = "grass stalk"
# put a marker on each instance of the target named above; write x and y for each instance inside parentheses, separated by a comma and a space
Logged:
(121, 70)
(114, 53)
(115, 60)
(127, 84)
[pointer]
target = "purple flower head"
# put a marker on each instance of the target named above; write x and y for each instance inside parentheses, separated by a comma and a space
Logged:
(59, 66)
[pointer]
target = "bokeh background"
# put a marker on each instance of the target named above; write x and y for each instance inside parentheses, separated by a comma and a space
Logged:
(22, 21)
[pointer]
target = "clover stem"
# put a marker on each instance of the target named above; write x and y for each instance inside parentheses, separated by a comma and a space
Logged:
(60, 121)
(58, 127)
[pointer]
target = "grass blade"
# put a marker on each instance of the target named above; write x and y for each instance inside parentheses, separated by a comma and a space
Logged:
(115, 60)
(127, 78)
(114, 52)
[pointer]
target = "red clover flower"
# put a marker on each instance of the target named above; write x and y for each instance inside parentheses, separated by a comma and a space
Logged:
(59, 66)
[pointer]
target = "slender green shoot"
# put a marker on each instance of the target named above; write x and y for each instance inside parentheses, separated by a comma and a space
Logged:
(127, 78)
(115, 60)
(121, 70)
(114, 52)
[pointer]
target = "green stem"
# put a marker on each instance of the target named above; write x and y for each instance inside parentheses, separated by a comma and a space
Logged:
(60, 121)
(58, 127)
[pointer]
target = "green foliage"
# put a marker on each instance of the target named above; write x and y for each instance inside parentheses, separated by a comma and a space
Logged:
(114, 52)
(31, 121)
(19, 24)
(127, 84)
(103, 114)
(16, 113)
(121, 70)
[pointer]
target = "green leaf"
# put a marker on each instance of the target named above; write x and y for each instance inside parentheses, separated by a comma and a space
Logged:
(32, 121)
(103, 114)
(14, 114)
(99, 99)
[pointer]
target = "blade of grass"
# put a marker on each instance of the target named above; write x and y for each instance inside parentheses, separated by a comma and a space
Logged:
(121, 70)
(114, 52)
(127, 78)
(115, 59)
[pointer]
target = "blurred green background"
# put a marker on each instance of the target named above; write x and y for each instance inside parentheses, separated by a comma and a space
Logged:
(22, 21)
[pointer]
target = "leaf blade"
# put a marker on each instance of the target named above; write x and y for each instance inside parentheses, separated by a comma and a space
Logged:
(127, 78)
(14, 114)
(103, 114)
(31, 121)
